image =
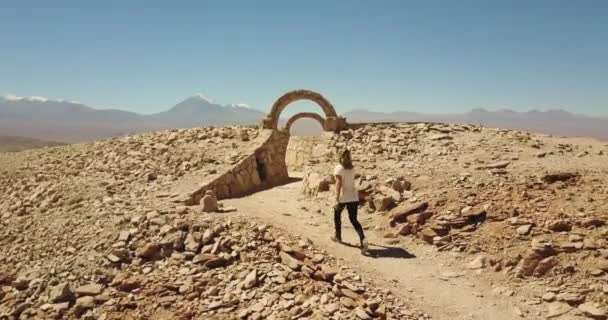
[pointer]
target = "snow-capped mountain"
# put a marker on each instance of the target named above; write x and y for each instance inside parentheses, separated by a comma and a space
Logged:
(199, 110)
(69, 121)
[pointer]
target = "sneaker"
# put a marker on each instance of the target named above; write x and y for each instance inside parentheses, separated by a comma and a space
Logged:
(364, 246)
(336, 239)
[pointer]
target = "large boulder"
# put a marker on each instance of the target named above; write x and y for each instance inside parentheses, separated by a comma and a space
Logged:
(383, 203)
(539, 252)
(401, 213)
(61, 293)
(314, 183)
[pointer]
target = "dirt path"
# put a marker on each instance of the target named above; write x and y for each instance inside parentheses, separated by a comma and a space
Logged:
(433, 281)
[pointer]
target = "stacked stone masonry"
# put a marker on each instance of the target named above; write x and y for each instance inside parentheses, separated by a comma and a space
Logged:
(303, 151)
(267, 166)
(264, 168)
(332, 121)
(305, 115)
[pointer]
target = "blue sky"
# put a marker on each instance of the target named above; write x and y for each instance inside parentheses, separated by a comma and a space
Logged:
(426, 56)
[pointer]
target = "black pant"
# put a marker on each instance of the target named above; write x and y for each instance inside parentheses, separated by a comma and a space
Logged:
(352, 215)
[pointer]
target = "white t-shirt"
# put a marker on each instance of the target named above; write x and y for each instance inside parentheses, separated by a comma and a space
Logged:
(349, 191)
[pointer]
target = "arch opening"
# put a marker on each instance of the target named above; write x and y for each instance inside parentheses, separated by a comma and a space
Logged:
(332, 121)
(304, 115)
(301, 147)
(306, 128)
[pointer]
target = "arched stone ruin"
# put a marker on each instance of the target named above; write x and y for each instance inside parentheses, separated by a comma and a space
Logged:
(332, 121)
(266, 166)
(304, 115)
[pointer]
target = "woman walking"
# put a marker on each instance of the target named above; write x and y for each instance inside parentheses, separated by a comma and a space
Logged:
(347, 196)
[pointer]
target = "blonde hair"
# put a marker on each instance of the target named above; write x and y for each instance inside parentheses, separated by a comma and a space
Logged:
(345, 159)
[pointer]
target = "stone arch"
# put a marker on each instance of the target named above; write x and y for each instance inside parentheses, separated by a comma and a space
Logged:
(302, 115)
(332, 121)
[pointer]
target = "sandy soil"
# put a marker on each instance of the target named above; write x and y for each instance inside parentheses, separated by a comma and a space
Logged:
(434, 281)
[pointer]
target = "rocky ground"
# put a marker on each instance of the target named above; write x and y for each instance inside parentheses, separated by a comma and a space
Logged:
(90, 231)
(97, 231)
(531, 208)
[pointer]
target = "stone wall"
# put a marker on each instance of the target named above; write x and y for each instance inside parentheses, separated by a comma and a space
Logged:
(264, 168)
(305, 151)
(268, 165)
(359, 125)
(299, 151)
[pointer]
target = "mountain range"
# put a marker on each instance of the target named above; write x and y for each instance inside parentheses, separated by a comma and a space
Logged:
(67, 121)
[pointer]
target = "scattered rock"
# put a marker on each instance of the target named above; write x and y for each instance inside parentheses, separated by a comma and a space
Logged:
(593, 222)
(382, 203)
(290, 261)
(216, 262)
(545, 265)
(557, 309)
(348, 302)
(427, 235)
(571, 298)
(61, 293)
(602, 264)
(440, 136)
(533, 257)
(401, 213)
(129, 283)
(524, 229)
(592, 311)
(92, 289)
(560, 226)
(495, 165)
(134, 234)
(149, 251)
(361, 314)
(332, 308)
(478, 263)
(83, 304)
(405, 229)
(559, 176)
(209, 202)
(549, 296)
(251, 280)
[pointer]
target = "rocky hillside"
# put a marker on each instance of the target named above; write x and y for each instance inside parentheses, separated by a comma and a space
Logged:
(94, 231)
(556, 121)
(531, 208)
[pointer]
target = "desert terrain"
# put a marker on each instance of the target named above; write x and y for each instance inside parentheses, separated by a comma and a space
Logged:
(176, 161)
(14, 144)
(464, 222)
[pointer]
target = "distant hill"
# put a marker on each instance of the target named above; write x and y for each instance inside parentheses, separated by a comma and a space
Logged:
(66, 121)
(13, 144)
(198, 110)
(557, 122)
(59, 120)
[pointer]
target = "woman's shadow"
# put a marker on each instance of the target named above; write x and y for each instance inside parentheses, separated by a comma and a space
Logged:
(384, 251)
